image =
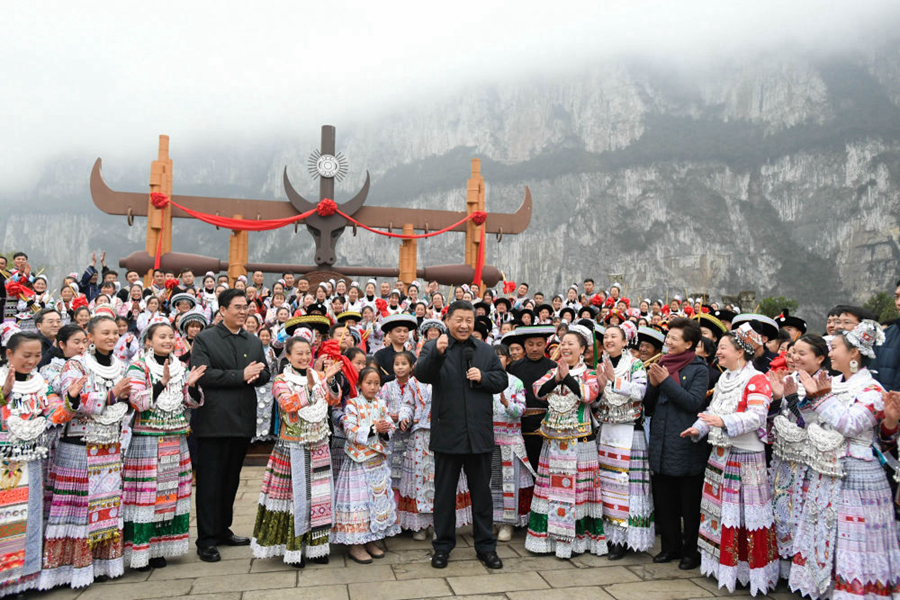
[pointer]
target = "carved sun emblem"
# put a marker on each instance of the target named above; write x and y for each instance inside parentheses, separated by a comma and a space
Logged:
(327, 165)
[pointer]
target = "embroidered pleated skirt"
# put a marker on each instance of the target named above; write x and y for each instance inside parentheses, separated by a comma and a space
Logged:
(156, 498)
(512, 485)
(416, 494)
(567, 509)
(846, 542)
(83, 538)
(294, 516)
(364, 507)
(737, 522)
(628, 518)
(21, 533)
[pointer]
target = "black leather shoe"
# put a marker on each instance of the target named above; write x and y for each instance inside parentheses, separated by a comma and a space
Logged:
(158, 562)
(300, 564)
(234, 540)
(210, 554)
(490, 560)
(664, 557)
(320, 560)
(689, 563)
(439, 560)
(616, 552)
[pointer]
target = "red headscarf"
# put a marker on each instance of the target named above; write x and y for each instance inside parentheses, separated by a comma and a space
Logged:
(332, 350)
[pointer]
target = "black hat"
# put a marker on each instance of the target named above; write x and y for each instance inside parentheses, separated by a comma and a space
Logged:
(590, 310)
(761, 324)
(520, 334)
(482, 304)
(318, 323)
(651, 335)
(521, 312)
(349, 315)
(503, 301)
(785, 319)
(543, 306)
(317, 308)
(716, 326)
(398, 320)
(483, 326)
(567, 309)
(724, 315)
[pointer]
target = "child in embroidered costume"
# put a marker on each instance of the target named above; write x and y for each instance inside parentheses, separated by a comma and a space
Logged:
(295, 501)
(846, 542)
(416, 505)
(567, 508)
(622, 446)
(364, 508)
(27, 407)
(512, 478)
(83, 538)
(737, 522)
(398, 394)
(156, 498)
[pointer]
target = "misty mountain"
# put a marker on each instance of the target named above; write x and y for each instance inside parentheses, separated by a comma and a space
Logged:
(777, 175)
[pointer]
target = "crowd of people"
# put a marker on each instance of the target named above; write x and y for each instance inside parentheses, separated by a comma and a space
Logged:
(757, 450)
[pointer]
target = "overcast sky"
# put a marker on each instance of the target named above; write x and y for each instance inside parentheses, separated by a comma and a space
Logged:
(96, 77)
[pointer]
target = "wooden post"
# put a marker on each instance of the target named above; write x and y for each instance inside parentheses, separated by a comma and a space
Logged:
(238, 253)
(408, 258)
(474, 202)
(159, 222)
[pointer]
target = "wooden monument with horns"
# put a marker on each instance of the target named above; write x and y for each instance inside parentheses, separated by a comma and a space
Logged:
(325, 221)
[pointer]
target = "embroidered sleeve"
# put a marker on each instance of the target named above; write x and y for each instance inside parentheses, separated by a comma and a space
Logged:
(352, 428)
(516, 398)
(864, 413)
(289, 400)
(590, 388)
(89, 403)
(635, 385)
(702, 427)
(141, 397)
(752, 410)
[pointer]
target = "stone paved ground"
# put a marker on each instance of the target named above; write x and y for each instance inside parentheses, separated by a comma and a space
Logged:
(405, 572)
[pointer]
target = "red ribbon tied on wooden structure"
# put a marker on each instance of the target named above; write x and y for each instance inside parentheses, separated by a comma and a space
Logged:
(325, 208)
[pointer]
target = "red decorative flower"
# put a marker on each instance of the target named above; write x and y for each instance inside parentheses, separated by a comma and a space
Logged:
(479, 217)
(597, 301)
(80, 301)
(509, 287)
(171, 284)
(159, 200)
(326, 207)
(381, 305)
(17, 290)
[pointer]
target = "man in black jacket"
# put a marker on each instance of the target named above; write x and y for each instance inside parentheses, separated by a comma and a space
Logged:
(529, 369)
(465, 374)
(235, 365)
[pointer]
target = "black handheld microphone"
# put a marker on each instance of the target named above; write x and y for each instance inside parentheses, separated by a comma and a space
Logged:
(469, 354)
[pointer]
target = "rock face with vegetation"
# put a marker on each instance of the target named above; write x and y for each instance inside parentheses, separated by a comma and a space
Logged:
(777, 175)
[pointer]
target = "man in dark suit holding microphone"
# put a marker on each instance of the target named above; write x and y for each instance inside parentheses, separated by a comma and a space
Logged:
(465, 374)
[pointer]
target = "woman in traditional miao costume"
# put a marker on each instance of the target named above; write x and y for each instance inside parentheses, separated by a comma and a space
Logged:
(42, 298)
(357, 358)
(737, 523)
(622, 446)
(151, 311)
(512, 478)
(156, 497)
(71, 340)
(364, 508)
(415, 506)
(567, 508)
(28, 406)
(83, 538)
(294, 517)
(790, 447)
(129, 345)
(846, 543)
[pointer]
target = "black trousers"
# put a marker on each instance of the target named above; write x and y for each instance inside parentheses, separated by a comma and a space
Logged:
(533, 446)
(218, 478)
(677, 499)
(446, 479)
